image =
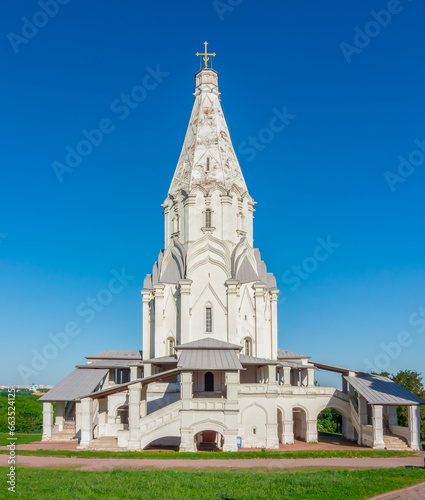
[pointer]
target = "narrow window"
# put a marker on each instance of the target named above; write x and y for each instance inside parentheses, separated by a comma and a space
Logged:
(171, 347)
(208, 217)
(254, 430)
(208, 320)
(247, 347)
(209, 382)
(208, 164)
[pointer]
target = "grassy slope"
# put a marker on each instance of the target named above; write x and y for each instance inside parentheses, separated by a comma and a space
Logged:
(222, 455)
(350, 485)
(20, 438)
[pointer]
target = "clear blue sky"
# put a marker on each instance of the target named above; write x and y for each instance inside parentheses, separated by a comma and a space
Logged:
(323, 176)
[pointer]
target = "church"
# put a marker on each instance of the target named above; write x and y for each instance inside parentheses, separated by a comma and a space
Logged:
(210, 374)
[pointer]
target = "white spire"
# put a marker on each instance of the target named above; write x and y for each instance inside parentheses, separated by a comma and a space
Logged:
(207, 158)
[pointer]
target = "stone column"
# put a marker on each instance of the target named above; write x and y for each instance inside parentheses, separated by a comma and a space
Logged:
(232, 384)
(344, 385)
(78, 419)
(159, 320)
(134, 373)
(184, 311)
(86, 422)
(296, 375)
(134, 416)
(310, 377)
(261, 343)
(147, 347)
(311, 435)
(187, 443)
(232, 290)
(273, 313)
(230, 441)
(186, 389)
(414, 416)
(144, 401)
(378, 427)
(47, 420)
(60, 415)
(304, 378)
(288, 431)
(287, 375)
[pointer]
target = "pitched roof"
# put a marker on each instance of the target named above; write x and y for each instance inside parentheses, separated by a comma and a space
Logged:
(283, 354)
(252, 360)
(75, 385)
(207, 140)
(161, 360)
(117, 355)
(212, 359)
(208, 343)
(382, 391)
(111, 363)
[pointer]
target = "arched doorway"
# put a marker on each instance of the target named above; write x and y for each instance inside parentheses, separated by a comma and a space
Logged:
(329, 424)
(122, 416)
(209, 382)
(209, 441)
(300, 423)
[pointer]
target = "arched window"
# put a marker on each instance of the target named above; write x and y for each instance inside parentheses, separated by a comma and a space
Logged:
(208, 217)
(171, 347)
(209, 382)
(247, 347)
(208, 319)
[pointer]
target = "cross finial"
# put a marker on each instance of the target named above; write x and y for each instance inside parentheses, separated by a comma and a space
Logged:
(205, 58)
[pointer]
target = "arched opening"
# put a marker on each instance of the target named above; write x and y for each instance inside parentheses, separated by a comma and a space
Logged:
(247, 347)
(209, 440)
(300, 423)
(329, 424)
(209, 382)
(171, 346)
(122, 416)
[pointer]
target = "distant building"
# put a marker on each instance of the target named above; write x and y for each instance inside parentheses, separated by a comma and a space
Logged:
(211, 373)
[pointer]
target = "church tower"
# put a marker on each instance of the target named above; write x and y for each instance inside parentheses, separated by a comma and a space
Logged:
(209, 281)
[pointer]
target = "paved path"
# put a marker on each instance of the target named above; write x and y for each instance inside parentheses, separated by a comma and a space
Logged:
(416, 492)
(92, 464)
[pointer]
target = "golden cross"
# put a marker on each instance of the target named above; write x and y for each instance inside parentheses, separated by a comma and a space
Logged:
(205, 58)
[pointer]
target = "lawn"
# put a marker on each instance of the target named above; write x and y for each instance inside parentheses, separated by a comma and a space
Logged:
(20, 438)
(323, 485)
(201, 455)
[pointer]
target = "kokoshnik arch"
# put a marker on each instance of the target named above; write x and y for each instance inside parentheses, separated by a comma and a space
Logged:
(210, 372)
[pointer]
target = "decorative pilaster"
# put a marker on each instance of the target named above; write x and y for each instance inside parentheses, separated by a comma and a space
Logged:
(260, 341)
(186, 389)
(288, 432)
(232, 384)
(287, 376)
(273, 306)
(184, 311)
(311, 433)
(47, 420)
(232, 290)
(159, 349)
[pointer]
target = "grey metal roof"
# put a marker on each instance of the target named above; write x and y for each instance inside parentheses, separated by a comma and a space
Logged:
(211, 359)
(283, 354)
(209, 343)
(161, 360)
(252, 360)
(117, 355)
(294, 365)
(111, 363)
(76, 384)
(382, 391)
(332, 368)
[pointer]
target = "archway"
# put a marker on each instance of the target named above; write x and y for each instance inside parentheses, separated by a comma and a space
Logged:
(209, 440)
(329, 424)
(209, 382)
(122, 415)
(299, 417)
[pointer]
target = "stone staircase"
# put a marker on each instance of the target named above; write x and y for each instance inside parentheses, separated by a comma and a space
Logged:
(393, 442)
(67, 434)
(104, 443)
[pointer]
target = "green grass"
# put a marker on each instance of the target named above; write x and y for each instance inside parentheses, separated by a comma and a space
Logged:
(222, 455)
(20, 438)
(118, 484)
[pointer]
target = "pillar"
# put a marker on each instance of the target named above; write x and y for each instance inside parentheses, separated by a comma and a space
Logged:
(144, 401)
(147, 348)
(78, 419)
(159, 348)
(344, 384)
(230, 440)
(273, 313)
(186, 389)
(304, 378)
(287, 375)
(47, 420)
(187, 443)
(232, 290)
(134, 416)
(310, 377)
(86, 422)
(184, 311)
(261, 343)
(296, 375)
(414, 418)
(311, 435)
(232, 385)
(288, 431)
(378, 426)
(60, 414)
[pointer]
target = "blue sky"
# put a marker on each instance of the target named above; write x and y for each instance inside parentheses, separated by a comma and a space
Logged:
(331, 175)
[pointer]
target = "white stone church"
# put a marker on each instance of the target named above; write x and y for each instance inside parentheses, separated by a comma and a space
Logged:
(210, 373)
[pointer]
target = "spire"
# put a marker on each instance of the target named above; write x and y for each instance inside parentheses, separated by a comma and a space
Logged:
(207, 158)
